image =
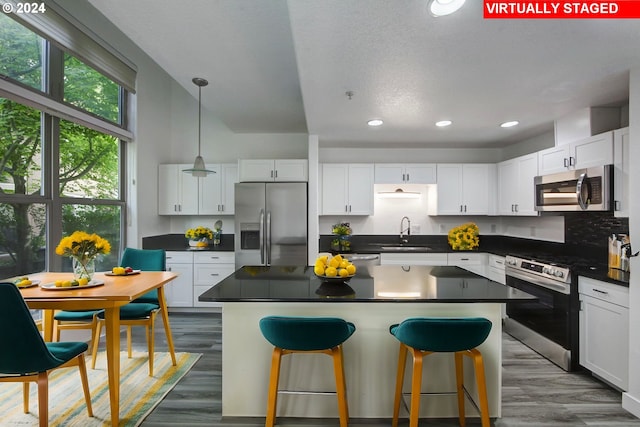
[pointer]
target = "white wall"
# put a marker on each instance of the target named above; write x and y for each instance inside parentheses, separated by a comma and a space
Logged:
(408, 155)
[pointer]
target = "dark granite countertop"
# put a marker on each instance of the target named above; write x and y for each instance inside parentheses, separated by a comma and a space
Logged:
(177, 242)
(386, 283)
(588, 266)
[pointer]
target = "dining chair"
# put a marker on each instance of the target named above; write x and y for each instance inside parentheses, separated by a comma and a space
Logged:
(25, 357)
(143, 310)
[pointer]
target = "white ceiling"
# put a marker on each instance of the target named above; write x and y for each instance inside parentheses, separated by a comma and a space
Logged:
(284, 66)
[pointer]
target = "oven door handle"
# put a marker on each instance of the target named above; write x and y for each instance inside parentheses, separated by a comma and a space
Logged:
(584, 204)
(538, 281)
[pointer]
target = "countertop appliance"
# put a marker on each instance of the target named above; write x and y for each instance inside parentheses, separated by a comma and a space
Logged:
(271, 223)
(587, 189)
(549, 325)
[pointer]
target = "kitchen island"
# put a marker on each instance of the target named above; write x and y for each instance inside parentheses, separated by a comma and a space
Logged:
(374, 299)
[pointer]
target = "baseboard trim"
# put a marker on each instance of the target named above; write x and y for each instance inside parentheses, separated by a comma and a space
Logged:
(631, 404)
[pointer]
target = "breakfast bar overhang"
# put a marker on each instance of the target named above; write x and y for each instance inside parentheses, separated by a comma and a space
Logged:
(374, 299)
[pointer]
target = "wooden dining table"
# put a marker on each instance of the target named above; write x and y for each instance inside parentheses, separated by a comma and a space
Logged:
(116, 292)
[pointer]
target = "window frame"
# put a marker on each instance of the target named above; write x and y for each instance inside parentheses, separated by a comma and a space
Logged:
(52, 108)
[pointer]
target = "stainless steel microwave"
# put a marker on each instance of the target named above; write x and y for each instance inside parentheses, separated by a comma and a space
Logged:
(587, 189)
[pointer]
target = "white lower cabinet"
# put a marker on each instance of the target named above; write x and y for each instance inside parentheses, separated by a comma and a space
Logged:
(197, 273)
(179, 292)
(474, 262)
(495, 269)
(209, 268)
(604, 330)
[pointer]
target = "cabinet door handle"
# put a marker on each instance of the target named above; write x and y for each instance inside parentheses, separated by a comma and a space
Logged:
(407, 177)
(464, 259)
(403, 179)
(271, 173)
(346, 208)
(516, 205)
(572, 161)
(276, 173)
(349, 208)
(566, 162)
(465, 208)
(215, 257)
(214, 274)
(616, 205)
(599, 291)
(461, 208)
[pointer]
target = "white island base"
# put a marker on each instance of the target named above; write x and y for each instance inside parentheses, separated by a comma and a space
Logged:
(371, 357)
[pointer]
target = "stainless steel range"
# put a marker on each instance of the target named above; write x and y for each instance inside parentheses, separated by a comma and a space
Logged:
(549, 325)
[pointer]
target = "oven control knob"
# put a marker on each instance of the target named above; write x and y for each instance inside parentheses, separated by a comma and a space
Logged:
(548, 270)
(511, 262)
(558, 273)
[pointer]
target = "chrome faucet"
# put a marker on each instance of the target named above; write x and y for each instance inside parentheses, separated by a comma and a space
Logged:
(404, 239)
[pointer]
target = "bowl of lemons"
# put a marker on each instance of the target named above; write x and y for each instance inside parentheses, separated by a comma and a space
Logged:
(333, 268)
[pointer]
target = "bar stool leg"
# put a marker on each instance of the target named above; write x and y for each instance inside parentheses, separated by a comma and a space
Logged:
(482, 386)
(274, 377)
(460, 387)
(416, 386)
(402, 360)
(341, 387)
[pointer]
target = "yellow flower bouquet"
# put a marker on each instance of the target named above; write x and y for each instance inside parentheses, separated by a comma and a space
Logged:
(464, 237)
(199, 233)
(83, 248)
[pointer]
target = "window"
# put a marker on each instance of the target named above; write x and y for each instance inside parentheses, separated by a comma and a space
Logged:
(20, 148)
(88, 163)
(22, 238)
(61, 167)
(86, 88)
(21, 53)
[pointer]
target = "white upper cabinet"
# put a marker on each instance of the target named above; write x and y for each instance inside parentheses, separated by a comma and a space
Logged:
(177, 190)
(180, 193)
(465, 189)
(263, 170)
(411, 173)
(347, 189)
(515, 186)
(621, 172)
(216, 191)
(595, 150)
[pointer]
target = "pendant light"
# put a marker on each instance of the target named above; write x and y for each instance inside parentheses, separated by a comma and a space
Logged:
(199, 169)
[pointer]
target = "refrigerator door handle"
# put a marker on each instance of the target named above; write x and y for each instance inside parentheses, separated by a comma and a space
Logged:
(268, 227)
(261, 238)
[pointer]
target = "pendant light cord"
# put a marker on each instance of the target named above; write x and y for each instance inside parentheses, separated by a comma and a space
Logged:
(199, 116)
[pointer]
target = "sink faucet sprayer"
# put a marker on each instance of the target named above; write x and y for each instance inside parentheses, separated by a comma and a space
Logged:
(402, 230)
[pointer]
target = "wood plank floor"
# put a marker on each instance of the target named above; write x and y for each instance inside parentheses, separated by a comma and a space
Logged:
(536, 393)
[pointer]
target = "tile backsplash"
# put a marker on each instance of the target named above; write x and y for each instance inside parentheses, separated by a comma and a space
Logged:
(592, 229)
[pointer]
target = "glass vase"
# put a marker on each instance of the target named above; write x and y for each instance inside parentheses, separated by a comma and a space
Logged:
(84, 269)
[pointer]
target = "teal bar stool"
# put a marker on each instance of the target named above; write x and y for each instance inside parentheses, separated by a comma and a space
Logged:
(424, 336)
(306, 335)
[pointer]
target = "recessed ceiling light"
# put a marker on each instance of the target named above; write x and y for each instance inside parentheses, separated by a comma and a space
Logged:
(443, 123)
(375, 122)
(444, 7)
(510, 124)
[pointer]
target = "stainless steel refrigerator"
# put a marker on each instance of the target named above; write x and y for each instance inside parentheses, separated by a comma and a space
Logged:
(271, 223)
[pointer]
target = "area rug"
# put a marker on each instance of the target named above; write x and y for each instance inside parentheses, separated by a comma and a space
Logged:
(139, 393)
